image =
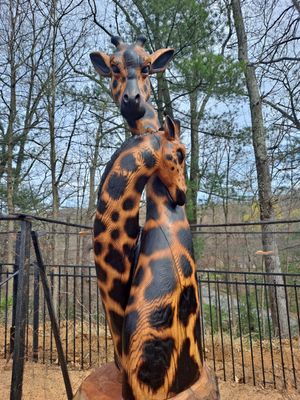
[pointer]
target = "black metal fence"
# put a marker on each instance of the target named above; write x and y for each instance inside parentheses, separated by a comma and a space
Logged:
(238, 338)
(241, 338)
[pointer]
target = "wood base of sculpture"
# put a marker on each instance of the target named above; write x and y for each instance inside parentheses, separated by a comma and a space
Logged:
(105, 383)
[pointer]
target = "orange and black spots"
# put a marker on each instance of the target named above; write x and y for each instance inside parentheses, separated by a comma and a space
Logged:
(140, 183)
(130, 325)
(187, 304)
(131, 226)
(152, 210)
(118, 292)
(153, 240)
(115, 234)
(115, 216)
(116, 186)
(185, 238)
(185, 266)
(128, 204)
(187, 371)
(101, 206)
(115, 259)
(155, 143)
(162, 317)
(116, 321)
(158, 188)
(156, 357)
(139, 276)
(128, 163)
(127, 393)
(163, 280)
(148, 159)
(101, 273)
(98, 247)
(99, 227)
(197, 335)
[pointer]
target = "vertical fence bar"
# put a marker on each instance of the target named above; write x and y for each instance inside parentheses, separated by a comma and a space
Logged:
(211, 322)
(259, 332)
(90, 319)
(289, 329)
(250, 329)
(36, 312)
(280, 338)
(15, 292)
(240, 330)
(221, 330)
(54, 324)
(202, 322)
(6, 316)
(74, 315)
(67, 312)
(21, 312)
(270, 332)
(82, 325)
(230, 329)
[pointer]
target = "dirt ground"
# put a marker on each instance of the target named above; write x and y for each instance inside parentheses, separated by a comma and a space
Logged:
(45, 382)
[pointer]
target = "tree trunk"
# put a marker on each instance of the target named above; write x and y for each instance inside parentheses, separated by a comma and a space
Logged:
(271, 258)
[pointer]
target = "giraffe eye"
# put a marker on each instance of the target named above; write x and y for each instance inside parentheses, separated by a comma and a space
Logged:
(146, 70)
(180, 156)
(115, 69)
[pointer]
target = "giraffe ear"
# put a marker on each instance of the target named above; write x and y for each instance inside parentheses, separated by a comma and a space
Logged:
(160, 59)
(170, 128)
(101, 62)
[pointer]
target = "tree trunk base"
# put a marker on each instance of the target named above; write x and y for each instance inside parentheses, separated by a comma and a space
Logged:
(105, 383)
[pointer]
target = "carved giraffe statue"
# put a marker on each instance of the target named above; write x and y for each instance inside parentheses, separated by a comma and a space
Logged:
(161, 344)
(116, 222)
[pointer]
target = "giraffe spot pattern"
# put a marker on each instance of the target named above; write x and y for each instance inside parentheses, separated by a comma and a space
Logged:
(99, 227)
(128, 163)
(163, 279)
(131, 227)
(116, 186)
(130, 325)
(153, 240)
(101, 206)
(162, 317)
(118, 292)
(152, 212)
(187, 304)
(115, 259)
(156, 357)
(115, 234)
(138, 277)
(140, 183)
(148, 159)
(197, 336)
(116, 322)
(115, 216)
(101, 273)
(98, 248)
(187, 371)
(185, 266)
(128, 204)
(185, 238)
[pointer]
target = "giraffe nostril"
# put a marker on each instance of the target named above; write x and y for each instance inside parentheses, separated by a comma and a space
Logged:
(137, 98)
(125, 98)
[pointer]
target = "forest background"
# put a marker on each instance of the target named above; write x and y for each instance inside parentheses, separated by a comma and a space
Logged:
(234, 84)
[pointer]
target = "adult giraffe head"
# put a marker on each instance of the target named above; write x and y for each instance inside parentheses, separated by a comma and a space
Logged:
(129, 68)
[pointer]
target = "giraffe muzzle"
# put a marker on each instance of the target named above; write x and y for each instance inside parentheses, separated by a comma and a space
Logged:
(180, 197)
(132, 107)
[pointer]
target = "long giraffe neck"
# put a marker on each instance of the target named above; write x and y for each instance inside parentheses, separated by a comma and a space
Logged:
(162, 354)
(148, 123)
(116, 225)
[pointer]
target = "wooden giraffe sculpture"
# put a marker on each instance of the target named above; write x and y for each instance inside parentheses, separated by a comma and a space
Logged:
(161, 341)
(161, 338)
(116, 222)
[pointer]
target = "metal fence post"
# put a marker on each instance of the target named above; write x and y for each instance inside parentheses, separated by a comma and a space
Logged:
(21, 311)
(15, 293)
(36, 314)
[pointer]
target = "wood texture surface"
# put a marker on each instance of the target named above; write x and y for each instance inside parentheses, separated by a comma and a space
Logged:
(105, 383)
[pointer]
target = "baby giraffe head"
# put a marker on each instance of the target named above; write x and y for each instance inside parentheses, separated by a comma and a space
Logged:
(129, 68)
(172, 165)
